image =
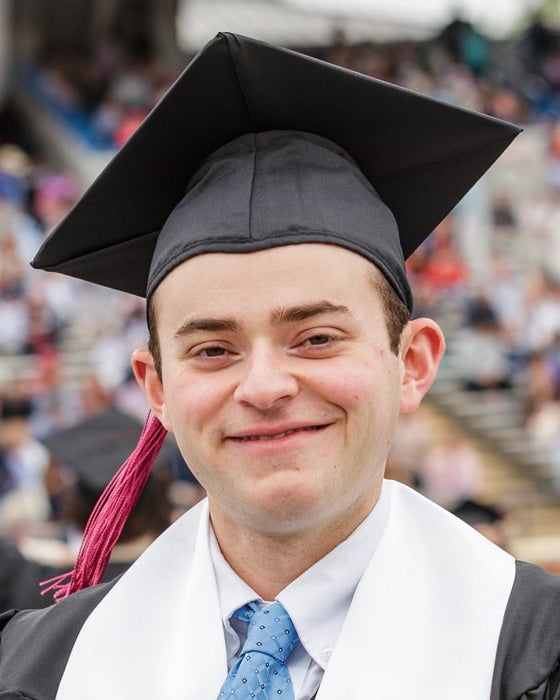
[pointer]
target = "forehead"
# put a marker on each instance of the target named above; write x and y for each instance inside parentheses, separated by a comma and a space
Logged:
(276, 276)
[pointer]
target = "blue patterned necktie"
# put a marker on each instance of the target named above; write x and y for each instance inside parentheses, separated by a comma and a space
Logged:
(260, 671)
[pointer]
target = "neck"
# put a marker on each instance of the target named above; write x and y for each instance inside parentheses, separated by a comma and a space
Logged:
(268, 562)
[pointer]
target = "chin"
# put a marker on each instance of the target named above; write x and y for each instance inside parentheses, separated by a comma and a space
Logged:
(290, 508)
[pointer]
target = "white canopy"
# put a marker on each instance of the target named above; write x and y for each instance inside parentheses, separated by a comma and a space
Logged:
(497, 17)
(314, 22)
(281, 22)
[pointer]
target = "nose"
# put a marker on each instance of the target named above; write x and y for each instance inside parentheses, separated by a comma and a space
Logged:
(266, 380)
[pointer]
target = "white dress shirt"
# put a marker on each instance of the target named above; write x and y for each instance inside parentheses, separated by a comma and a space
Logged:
(317, 601)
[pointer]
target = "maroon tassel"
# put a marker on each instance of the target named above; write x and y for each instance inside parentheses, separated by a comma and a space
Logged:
(110, 514)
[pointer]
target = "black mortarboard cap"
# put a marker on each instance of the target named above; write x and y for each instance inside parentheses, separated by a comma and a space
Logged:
(326, 155)
(95, 448)
(15, 407)
(477, 513)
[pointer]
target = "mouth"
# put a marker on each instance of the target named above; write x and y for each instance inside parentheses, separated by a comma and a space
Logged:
(277, 436)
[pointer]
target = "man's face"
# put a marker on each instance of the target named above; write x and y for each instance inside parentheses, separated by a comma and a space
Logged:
(279, 383)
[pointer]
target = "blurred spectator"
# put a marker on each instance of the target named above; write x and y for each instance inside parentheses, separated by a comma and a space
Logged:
(553, 165)
(443, 269)
(505, 103)
(505, 291)
(450, 471)
(14, 323)
(413, 438)
(24, 461)
(542, 410)
(56, 404)
(542, 321)
(537, 42)
(466, 45)
(482, 350)
(55, 195)
(503, 213)
(15, 169)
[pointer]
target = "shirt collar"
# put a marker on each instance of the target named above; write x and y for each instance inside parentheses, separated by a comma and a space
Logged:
(319, 599)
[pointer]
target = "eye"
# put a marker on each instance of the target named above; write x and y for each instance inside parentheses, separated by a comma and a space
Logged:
(319, 339)
(211, 355)
(213, 351)
(319, 344)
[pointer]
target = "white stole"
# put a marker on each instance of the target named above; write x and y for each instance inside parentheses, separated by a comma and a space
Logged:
(424, 622)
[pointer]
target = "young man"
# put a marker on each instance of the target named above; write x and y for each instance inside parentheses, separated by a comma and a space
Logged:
(281, 355)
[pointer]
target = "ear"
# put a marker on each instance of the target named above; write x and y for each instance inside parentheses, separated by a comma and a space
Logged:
(422, 347)
(148, 380)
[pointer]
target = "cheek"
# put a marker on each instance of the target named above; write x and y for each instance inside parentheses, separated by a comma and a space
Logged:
(370, 396)
(352, 390)
(361, 382)
(192, 402)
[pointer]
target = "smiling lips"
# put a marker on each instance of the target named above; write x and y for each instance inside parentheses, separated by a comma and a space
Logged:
(276, 436)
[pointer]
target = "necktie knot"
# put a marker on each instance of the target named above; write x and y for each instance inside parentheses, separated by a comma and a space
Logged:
(270, 630)
(261, 671)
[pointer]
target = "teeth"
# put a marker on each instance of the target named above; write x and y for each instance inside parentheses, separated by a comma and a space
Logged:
(277, 435)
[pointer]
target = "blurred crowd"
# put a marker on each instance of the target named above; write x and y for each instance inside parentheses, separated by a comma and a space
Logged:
(491, 270)
(103, 99)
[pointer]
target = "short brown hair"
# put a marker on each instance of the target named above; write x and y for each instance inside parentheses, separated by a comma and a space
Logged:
(153, 340)
(396, 311)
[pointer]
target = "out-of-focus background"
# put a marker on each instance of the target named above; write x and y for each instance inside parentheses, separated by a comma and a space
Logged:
(77, 77)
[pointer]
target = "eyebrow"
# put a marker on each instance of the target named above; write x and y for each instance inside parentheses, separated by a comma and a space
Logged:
(207, 324)
(305, 311)
(278, 317)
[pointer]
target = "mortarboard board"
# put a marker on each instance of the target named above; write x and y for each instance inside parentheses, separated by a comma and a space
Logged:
(355, 136)
(95, 448)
